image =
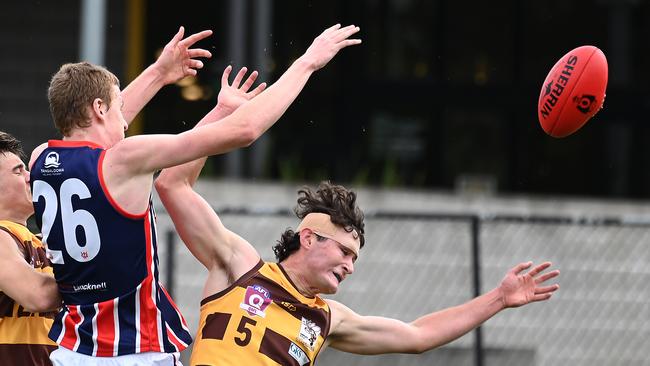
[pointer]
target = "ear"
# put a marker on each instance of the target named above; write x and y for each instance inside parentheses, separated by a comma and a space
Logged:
(98, 108)
(306, 237)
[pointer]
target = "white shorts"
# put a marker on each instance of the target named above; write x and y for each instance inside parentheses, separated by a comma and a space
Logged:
(64, 357)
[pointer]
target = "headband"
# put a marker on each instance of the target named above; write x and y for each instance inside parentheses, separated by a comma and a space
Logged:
(322, 225)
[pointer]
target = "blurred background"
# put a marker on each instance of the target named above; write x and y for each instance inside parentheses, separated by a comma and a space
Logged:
(433, 119)
(441, 95)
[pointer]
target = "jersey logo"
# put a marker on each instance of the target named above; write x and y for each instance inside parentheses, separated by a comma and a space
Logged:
(309, 332)
(298, 354)
(256, 299)
(52, 160)
(51, 165)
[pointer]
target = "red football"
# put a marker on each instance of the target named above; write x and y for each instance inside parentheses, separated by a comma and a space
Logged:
(573, 91)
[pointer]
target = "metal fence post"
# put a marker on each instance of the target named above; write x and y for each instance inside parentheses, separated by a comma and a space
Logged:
(476, 272)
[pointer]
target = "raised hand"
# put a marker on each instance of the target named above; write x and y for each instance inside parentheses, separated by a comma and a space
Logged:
(234, 95)
(329, 43)
(178, 60)
(520, 288)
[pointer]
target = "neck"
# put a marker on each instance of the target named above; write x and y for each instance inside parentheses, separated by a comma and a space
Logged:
(89, 134)
(13, 216)
(291, 266)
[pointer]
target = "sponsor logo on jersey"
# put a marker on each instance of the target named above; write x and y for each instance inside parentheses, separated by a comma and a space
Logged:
(256, 299)
(52, 164)
(52, 160)
(309, 332)
(289, 306)
(90, 287)
(298, 354)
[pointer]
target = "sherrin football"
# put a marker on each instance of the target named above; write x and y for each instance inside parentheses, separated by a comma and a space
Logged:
(573, 91)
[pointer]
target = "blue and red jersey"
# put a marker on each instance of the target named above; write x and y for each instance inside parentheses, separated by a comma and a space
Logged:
(104, 259)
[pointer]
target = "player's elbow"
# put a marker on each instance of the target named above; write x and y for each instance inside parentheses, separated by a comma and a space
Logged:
(163, 186)
(414, 347)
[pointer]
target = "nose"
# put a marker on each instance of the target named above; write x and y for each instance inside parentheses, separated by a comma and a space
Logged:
(349, 267)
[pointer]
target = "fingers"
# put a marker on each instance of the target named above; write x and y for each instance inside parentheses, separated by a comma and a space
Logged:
(546, 289)
(249, 82)
(345, 32)
(331, 29)
(226, 76)
(178, 36)
(238, 78)
(541, 297)
(520, 267)
(198, 52)
(260, 88)
(349, 42)
(189, 41)
(535, 271)
(547, 276)
(195, 64)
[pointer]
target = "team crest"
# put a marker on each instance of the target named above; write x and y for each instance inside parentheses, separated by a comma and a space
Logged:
(309, 332)
(52, 160)
(256, 299)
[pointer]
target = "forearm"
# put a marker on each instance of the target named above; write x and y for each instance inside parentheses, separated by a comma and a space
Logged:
(188, 173)
(44, 295)
(265, 109)
(140, 91)
(442, 327)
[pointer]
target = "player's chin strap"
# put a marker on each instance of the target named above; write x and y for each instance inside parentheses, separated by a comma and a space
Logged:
(322, 225)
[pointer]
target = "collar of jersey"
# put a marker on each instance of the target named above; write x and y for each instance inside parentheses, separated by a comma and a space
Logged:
(62, 143)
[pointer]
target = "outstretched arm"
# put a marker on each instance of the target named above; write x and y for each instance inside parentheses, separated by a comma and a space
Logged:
(351, 332)
(176, 61)
(226, 255)
(241, 128)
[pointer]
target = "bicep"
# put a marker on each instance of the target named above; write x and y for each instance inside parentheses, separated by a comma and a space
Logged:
(371, 335)
(150, 153)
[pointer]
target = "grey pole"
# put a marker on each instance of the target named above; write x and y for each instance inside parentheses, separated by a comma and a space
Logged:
(92, 33)
(263, 42)
(237, 54)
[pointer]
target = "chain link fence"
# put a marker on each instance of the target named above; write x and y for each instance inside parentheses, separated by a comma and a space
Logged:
(415, 264)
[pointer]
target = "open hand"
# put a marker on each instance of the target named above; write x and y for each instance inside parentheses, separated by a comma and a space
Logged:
(234, 95)
(520, 288)
(178, 60)
(329, 43)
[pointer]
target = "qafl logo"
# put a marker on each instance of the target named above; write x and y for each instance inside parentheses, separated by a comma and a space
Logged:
(256, 299)
(585, 103)
(52, 160)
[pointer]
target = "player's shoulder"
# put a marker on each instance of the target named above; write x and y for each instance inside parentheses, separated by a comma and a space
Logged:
(36, 153)
(9, 242)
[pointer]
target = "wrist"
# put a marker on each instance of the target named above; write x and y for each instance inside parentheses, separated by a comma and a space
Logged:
(221, 110)
(157, 74)
(305, 63)
(499, 297)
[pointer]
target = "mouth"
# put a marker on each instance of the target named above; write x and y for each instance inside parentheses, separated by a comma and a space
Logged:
(338, 277)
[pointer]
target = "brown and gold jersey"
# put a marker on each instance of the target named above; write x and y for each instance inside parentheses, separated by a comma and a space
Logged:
(23, 335)
(261, 319)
